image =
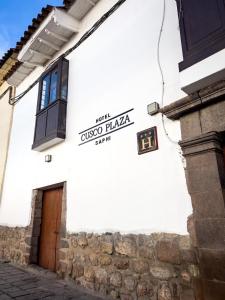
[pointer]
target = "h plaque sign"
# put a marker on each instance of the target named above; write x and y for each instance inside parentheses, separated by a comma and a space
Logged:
(147, 140)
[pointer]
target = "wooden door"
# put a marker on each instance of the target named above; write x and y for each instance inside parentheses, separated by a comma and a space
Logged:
(50, 229)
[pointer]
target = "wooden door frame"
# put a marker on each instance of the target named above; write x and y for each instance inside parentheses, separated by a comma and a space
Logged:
(34, 229)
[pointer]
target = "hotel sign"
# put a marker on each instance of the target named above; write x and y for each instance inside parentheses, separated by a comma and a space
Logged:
(147, 140)
(104, 127)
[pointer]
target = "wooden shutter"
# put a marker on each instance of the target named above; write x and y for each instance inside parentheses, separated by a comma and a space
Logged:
(202, 27)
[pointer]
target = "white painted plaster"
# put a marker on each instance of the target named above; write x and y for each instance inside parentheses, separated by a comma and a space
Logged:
(203, 73)
(6, 111)
(109, 187)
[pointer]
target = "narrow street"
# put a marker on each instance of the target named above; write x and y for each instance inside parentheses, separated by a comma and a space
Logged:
(30, 284)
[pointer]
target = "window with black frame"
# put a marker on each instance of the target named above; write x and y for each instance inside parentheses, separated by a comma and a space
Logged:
(50, 128)
(49, 88)
(202, 28)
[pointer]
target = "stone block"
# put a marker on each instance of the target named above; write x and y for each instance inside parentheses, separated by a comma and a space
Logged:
(162, 273)
(186, 277)
(116, 279)
(209, 204)
(126, 297)
(69, 267)
(81, 258)
(184, 242)
(104, 260)
(37, 213)
(89, 274)
(202, 159)
(168, 251)
(106, 244)
(27, 250)
(129, 283)
(36, 231)
(82, 241)
(34, 241)
(199, 182)
(94, 259)
(86, 284)
(62, 255)
(148, 241)
(28, 240)
(126, 246)
(140, 266)
(188, 256)
(144, 288)
(221, 168)
(73, 241)
(101, 275)
(190, 125)
(62, 266)
(114, 294)
(175, 289)
(210, 233)
(191, 230)
(212, 264)
(146, 252)
(94, 243)
(212, 117)
(26, 259)
(77, 270)
(194, 271)
(164, 292)
(64, 243)
(103, 289)
(34, 251)
(33, 259)
(121, 263)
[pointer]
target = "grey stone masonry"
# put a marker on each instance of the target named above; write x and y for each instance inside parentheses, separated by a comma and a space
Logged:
(13, 245)
(128, 267)
(202, 121)
(131, 267)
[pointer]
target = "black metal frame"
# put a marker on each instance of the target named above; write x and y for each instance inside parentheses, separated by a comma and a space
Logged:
(59, 65)
(54, 114)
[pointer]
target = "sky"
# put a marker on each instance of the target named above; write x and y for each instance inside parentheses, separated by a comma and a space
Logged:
(15, 16)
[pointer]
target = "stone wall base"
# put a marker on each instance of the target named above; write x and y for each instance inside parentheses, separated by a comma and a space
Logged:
(12, 244)
(127, 267)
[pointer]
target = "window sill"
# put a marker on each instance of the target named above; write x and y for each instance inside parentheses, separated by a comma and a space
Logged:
(204, 73)
(50, 142)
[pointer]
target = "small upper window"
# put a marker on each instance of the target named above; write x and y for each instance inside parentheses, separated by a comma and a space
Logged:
(50, 127)
(53, 85)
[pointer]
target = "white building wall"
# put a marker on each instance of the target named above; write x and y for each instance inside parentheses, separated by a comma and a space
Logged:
(109, 186)
(6, 112)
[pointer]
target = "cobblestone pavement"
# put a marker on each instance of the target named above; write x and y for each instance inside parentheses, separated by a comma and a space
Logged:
(30, 284)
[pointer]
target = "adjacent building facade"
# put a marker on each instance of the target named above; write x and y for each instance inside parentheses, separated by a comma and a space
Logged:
(6, 110)
(96, 187)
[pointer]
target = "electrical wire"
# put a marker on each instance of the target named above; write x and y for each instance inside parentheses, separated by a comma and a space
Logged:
(86, 35)
(180, 15)
(161, 72)
(9, 89)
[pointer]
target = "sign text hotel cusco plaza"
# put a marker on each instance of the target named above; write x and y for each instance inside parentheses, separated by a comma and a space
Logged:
(104, 127)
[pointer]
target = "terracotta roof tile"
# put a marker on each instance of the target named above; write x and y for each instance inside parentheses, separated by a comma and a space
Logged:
(6, 56)
(68, 3)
